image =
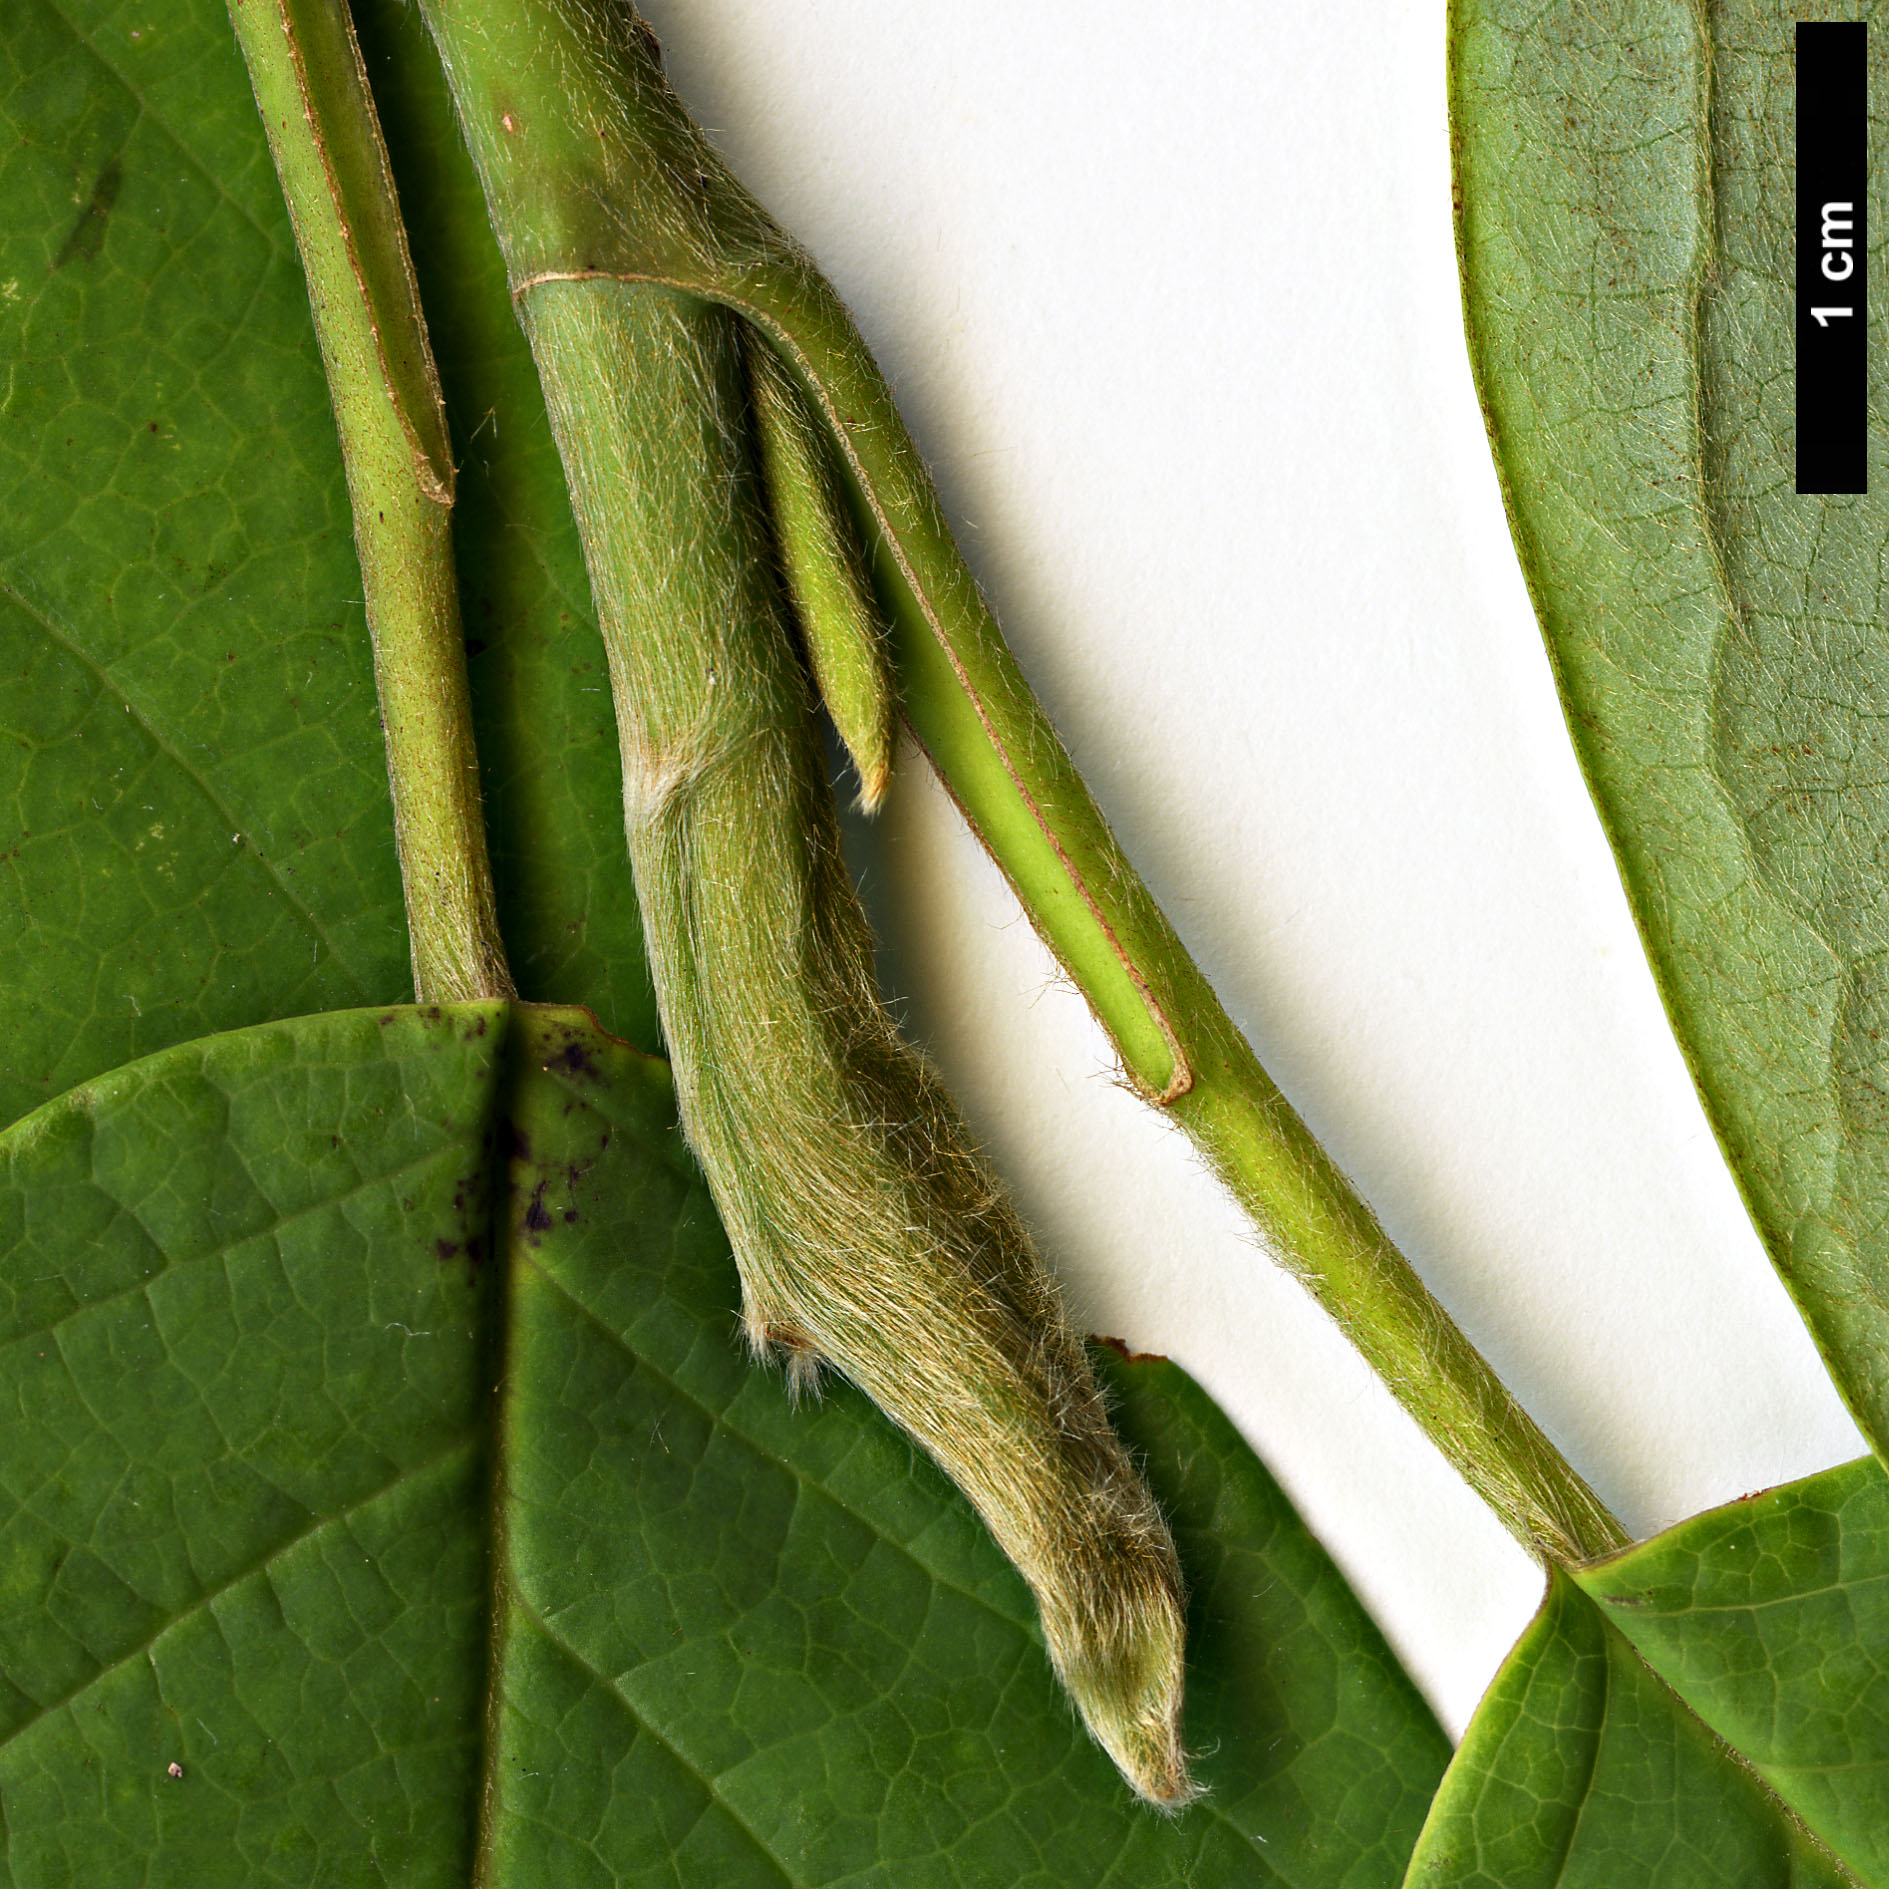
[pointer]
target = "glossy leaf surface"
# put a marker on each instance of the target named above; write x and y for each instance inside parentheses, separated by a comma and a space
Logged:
(1624, 175)
(259, 1490)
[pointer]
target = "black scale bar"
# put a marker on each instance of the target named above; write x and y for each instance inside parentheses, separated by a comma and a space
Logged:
(1832, 298)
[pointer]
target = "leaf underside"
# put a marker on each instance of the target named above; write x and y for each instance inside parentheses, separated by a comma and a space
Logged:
(263, 1517)
(1625, 176)
(1626, 231)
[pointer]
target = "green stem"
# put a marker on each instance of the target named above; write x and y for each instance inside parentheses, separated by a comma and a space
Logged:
(311, 88)
(593, 170)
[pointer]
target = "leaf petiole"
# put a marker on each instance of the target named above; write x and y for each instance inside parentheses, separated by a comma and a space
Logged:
(311, 88)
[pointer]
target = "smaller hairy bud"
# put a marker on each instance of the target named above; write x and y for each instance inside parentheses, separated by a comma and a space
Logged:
(825, 569)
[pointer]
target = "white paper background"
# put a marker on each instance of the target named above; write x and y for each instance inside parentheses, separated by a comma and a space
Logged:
(1169, 299)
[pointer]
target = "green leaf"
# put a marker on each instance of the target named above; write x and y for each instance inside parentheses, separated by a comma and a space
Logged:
(259, 1494)
(246, 1422)
(1770, 1618)
(1581, 1771)
(194, 822)
(193, 802)
(1619, 1742)
(1626, 208)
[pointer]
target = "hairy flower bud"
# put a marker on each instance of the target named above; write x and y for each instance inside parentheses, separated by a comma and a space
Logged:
(869, 1233)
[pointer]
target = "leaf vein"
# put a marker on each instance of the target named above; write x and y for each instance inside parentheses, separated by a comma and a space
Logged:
(712, 1785)
(178, 759)
(146, 1648)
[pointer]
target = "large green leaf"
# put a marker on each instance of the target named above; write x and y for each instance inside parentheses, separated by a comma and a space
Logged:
(191, 784)
(1627, 200)
(1581, 1770)
(1770, 1618)
(259, 1491)
(194, 823)
(1619, 1743)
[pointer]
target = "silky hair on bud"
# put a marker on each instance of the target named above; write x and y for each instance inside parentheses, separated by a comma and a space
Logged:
(870, 1234)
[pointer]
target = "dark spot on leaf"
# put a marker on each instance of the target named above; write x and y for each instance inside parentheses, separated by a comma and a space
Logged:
(87, 236)
(446, 1249)
(573, 1060)
(537, 1220)
(570, 1216)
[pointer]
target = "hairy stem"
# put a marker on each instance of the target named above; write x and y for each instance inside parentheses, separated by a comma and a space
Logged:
(594, 172)
(305, 66)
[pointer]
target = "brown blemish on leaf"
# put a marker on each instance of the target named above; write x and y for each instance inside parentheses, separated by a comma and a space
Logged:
(1120, 1348)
